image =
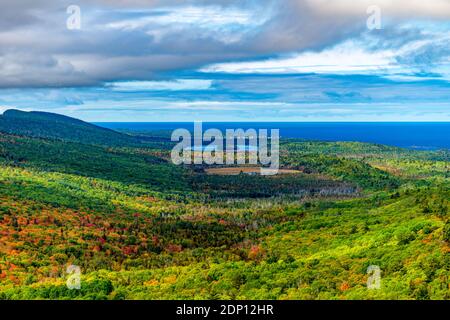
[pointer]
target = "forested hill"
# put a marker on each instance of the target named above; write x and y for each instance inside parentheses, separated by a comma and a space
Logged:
(55, 126)
(140, 227)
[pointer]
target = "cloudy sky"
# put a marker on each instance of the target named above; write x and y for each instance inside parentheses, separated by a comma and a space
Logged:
(227, 60)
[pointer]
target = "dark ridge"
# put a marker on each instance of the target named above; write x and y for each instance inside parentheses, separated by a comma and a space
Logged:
(55, 126)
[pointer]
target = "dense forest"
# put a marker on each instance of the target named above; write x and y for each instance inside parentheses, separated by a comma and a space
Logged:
(140, 227)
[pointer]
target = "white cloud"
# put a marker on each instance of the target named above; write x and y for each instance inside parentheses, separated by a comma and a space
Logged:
(209, 17)
(187, 111)
(181, 84)
(402, 8)
(346, 58)
(124, 40)
(226, 24)
(359, 57)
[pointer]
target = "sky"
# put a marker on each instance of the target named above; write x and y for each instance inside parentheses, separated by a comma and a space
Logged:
(227, 60)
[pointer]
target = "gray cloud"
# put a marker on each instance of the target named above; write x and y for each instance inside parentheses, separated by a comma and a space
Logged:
(36, 49)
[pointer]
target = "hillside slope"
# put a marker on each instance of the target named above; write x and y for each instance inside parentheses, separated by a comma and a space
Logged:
(126, 165)
(55, 126)
(140, 227)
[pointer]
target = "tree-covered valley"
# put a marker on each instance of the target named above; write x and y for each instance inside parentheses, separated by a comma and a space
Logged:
(140, 227)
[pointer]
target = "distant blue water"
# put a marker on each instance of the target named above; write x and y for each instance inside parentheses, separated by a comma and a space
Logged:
(413, 135)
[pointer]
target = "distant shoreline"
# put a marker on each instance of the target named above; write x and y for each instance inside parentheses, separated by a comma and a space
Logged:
(411, 135)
